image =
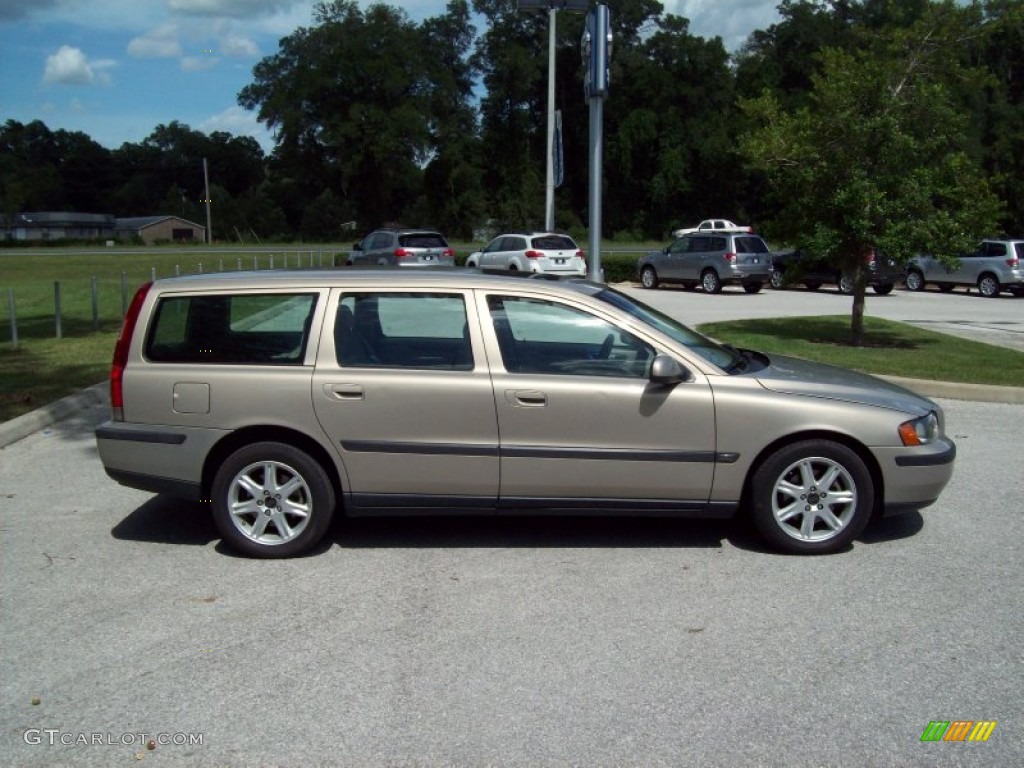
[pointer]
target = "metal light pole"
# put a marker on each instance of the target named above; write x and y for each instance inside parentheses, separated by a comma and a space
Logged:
(552, 7)
(596, 48)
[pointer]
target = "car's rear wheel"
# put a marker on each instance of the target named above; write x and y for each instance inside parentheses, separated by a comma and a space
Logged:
(883, 290)
(988, 285)
(649, 277)
(778, 280)
(812, 497)
(915, 280)
(752, 287)
(711, 282)
(272, 499)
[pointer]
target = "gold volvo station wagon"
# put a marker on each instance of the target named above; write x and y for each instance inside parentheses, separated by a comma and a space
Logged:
(283, 398)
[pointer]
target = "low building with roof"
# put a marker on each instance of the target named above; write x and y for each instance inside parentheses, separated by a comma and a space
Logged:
(151, 229)
(59, 225)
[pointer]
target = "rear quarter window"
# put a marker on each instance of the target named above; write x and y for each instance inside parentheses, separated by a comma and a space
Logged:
(751, 245)
(255, 329)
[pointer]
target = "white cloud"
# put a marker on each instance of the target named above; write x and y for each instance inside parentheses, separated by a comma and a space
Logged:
(235, 45)
(161, 43)
(70, 66)
(240, 9)
(731, 20)
(239, 122)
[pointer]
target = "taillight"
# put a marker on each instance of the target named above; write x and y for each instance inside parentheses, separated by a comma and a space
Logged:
(448, 253)
(870, 257)
(581, 255)
(1012, 262)
(730, 257)
(534, 255)
(401, 253)
(124, 341)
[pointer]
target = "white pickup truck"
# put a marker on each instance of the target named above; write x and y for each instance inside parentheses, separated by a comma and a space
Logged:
(713, 225)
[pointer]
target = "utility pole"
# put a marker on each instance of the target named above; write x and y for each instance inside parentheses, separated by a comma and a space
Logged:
(206, 184)
(552, 7)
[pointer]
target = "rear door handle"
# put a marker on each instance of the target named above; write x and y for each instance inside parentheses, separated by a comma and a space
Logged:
(344, 391)
(529, 398)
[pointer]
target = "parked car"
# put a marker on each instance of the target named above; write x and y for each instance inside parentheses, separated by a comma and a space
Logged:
(994, 266)
(404, 248)
(709, 260)
(281, 398)
(793, 267)
(713, 225)
(547, 252)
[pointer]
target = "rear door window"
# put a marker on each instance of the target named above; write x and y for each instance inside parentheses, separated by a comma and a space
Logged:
(253, 329)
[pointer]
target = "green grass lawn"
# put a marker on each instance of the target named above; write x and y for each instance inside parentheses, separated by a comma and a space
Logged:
(44, 368)
(890, 348)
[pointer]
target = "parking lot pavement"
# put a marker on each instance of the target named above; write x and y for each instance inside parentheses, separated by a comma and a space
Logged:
(545, 642)
(998, 321)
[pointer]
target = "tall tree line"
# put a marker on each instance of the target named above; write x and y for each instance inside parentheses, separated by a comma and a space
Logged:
(380, 119)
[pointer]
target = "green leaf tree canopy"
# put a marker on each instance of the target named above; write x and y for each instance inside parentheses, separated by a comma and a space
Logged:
(876, 158)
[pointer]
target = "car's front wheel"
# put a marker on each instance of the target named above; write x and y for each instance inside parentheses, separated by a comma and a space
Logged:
(271, 499)
(988, 286)
(846, 285)
(915, 280)
(711, 282)
(812, 497)
(649, 277)
(778, 280)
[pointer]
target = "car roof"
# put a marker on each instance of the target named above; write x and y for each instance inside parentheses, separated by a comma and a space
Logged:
(441, 277)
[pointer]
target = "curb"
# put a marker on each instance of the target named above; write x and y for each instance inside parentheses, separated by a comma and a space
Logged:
(21, 427)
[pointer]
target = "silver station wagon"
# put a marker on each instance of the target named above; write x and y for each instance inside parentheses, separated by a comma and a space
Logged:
(282, 398)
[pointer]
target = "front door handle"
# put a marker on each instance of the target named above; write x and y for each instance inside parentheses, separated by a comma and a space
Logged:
(344, 391)
(529, 398)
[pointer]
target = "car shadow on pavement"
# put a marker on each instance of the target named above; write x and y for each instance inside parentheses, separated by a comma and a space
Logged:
(168, 520)
(527, 532)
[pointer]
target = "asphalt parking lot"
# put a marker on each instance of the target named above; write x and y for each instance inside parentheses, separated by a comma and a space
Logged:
(580, 642)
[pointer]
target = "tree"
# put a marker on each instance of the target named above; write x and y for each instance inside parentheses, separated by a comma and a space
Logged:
(876, 158)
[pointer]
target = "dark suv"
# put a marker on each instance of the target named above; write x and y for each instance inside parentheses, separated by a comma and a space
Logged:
(792, 267)
(404, 248)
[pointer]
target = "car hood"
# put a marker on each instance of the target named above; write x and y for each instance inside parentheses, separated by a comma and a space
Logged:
(802, 377)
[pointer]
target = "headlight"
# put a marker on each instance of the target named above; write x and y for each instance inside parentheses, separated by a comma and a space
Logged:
(920, 431)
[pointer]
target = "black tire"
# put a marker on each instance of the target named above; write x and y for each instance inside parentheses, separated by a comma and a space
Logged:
(988, 285)
(649, 277)
(710, 281)
(915, 280)
(813, 523)
(812, 285)
(883, 290)
(846, 285)
(299, 516)
(752, 287)
(778, 280)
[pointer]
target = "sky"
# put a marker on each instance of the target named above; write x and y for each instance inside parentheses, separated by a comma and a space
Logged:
(116, 69)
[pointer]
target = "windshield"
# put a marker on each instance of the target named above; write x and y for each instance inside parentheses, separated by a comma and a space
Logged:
(724, 357)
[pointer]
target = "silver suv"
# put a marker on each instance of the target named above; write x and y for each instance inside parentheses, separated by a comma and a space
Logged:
(547, 252)
(282, 398)
(403, 248)
(710, 260)
(996, 265)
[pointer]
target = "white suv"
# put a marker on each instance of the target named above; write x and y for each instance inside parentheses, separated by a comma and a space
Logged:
(531, 252)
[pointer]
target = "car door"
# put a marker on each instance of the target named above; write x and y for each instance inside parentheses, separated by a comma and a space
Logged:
(673, 260)
(580, 424)
(402, 389)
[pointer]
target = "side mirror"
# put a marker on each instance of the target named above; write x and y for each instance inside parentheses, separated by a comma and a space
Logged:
(667, 370)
